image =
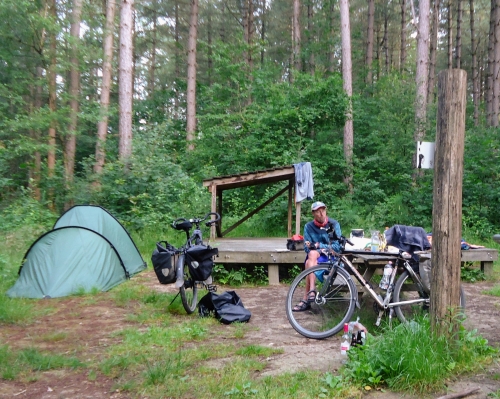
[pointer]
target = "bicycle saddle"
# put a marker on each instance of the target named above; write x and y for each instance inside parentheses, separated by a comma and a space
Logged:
(185, 225)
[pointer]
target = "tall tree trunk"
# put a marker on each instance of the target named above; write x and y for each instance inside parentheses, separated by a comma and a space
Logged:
(475, 80)
(386, 41)
(331, 50)
(51, 77)
(496, 68)
(209, 44)
(369, 41)
(152, 64)
(458, 48)
(178, 59)
(263, 31)
(345, 34)
(191, 75)
(297, 56)
(251, 31)
(310, 29)
(74, 92)
(35, 170)
(422, 70)
(491, 62)
(102, 126)
(450, 35)
(403, 36)
(126, 79)
(433, 48)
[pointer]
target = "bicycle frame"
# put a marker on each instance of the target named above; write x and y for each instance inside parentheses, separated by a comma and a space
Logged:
(383, 303)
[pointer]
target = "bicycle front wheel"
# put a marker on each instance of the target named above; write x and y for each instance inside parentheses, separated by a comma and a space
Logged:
(189, 290)
(406, 289)
(335, 299)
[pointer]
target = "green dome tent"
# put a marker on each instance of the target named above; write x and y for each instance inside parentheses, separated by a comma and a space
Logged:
(88, 248)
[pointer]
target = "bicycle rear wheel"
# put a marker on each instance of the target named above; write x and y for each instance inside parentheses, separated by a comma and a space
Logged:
(406, 289)
(334, 304)
(189, 290)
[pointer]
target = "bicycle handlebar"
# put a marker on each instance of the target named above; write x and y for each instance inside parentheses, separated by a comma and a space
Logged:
(187, 224)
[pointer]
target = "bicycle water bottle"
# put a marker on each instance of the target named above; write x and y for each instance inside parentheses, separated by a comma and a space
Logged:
(344, 341)
(386, 278)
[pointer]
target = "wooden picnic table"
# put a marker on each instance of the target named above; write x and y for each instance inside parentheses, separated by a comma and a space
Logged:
(272, 252)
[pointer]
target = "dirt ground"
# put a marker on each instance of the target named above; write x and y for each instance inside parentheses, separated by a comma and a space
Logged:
(90, 326)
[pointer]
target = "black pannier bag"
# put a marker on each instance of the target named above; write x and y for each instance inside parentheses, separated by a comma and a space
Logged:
(199, 259)
(164, 262)
(226, 307)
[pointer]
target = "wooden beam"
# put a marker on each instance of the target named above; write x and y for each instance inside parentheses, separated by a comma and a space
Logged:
(297, 217)
(255, 211)
(249, 179)
(219, 211)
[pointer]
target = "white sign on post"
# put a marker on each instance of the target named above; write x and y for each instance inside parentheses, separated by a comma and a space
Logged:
(425, 155)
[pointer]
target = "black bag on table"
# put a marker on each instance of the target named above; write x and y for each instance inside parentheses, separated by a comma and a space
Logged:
(163, 262)
(200, 261)
(226, 307)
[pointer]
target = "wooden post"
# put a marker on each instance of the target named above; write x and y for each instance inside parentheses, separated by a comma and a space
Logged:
(447, 200)
(290, 203)
(213, 208)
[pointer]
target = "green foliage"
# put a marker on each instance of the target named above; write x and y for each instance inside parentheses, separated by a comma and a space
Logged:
(471, 274)
(411, 358)
(495, 291)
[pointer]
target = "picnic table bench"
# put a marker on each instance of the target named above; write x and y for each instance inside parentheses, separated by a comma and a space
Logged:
(272, 252)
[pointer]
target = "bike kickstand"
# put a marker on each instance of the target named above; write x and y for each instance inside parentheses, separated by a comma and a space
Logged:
(175, 297)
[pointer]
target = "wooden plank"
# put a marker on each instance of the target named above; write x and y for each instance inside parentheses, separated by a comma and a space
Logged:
(252, 178)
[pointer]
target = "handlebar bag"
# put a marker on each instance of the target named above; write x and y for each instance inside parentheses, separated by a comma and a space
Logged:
(226, 307)
(200, 261)
(163, 262)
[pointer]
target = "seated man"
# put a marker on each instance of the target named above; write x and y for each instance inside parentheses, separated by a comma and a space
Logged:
(316, 245)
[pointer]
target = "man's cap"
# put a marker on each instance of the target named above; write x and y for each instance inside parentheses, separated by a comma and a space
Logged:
(317, 205)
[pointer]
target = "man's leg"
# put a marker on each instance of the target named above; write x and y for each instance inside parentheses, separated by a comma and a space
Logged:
(312, 260)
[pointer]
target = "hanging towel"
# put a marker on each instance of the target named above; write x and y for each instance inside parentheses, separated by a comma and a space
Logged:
(303, 181)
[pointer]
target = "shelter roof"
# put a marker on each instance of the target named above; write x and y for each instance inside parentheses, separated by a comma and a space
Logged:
(251, 178)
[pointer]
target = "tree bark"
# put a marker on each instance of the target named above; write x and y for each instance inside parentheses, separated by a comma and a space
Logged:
(475, 80)
(102, 126)
(345, 33)
(422, 70)
(450, 35)
(369, 41)
(74, 92)
(447, 201)
(496, 68)
(310, 29)
(433, 50)
(458, 47)
(331, 55)
(152, 63)
(386, 42)
(126, 79)
(191, 75)
(51, 77)
(297, 57)
(403, 36)
(491, 62)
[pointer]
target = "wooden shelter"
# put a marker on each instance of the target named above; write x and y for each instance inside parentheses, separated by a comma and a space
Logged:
(217, 185)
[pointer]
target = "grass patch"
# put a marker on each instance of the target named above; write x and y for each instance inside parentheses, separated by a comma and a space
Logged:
(410, 358)
(14, 364)
(495, 291)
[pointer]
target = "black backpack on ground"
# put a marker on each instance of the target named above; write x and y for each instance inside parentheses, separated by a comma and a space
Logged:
(226, 307)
